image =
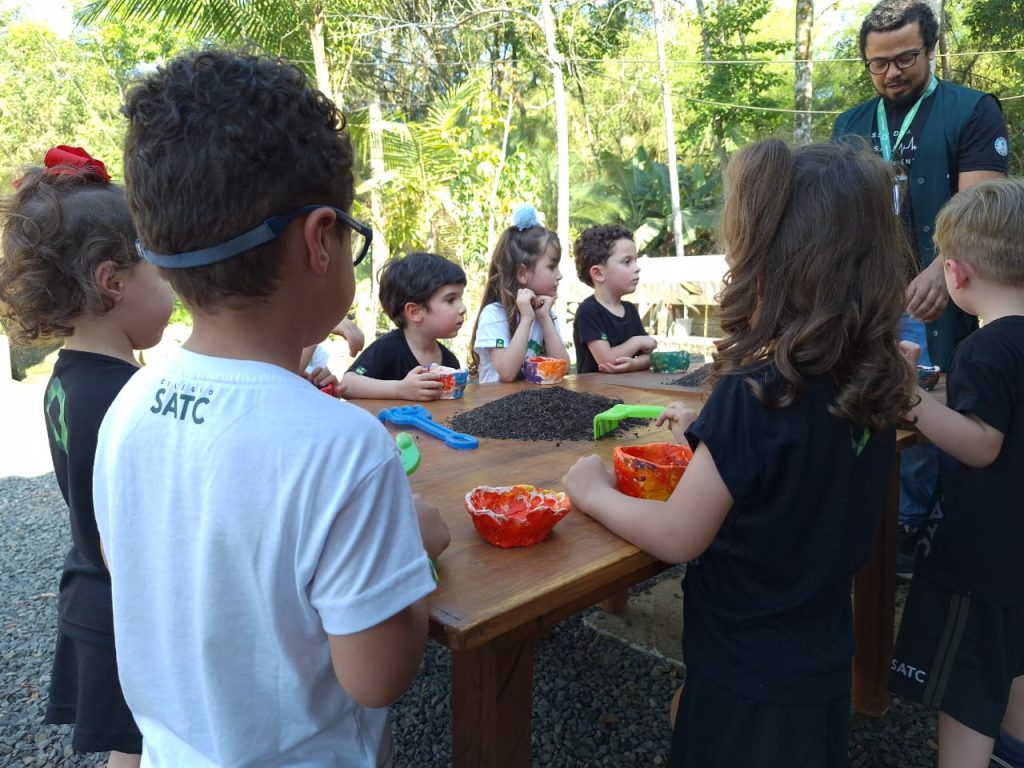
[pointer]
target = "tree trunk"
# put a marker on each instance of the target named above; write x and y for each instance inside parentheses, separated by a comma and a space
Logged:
(940, 11)
(717, 131)
(561, 125)
(804, 83)
(670, 131)
(319, 46)
(367, 311)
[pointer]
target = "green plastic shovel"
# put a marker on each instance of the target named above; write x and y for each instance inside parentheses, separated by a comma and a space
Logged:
(607, 421)
(409, 452)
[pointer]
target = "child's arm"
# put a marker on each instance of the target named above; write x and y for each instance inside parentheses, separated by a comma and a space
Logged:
(351, 333)
(377, 665)
(509, 361)
(632, 347)
(419, 384)
(553, 344)
(965, 437)
(674, 531)
(634, 354)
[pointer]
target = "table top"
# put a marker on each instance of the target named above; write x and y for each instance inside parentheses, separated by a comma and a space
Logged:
(486, 591)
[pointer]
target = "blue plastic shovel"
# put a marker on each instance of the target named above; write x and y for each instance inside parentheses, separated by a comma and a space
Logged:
(419, 417)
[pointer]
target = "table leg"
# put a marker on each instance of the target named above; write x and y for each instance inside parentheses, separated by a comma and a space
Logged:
(874, 608)
(492, 689)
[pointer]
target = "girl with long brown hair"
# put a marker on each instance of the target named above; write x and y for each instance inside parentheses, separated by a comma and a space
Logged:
(792, 453)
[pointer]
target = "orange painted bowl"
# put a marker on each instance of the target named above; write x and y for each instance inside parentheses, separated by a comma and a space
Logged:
(453, 381)
(545, 370)
(515, 515)
(650, 471)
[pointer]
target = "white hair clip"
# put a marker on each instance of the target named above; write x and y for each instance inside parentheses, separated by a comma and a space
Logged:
(524, 216)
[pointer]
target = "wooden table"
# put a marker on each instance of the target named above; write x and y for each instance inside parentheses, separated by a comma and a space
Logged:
(491, 603)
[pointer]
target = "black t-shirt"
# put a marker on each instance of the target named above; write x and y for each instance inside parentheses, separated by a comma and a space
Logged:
(767, 608)
(593, 322)
(982, 147)
(977, 529)
(390, 359)
(80, 391)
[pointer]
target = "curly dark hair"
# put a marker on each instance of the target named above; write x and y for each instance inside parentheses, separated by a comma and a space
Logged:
(515, 248)
(57, 229)
(819, 265)
(414, 278)
(219, 141)
(593, 247)
(895, 14)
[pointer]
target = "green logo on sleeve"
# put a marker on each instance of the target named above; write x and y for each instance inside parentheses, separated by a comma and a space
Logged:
(55, 398)
(499, 343)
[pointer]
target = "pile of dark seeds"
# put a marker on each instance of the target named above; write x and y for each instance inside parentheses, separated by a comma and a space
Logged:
(548, 413)
(694, 378)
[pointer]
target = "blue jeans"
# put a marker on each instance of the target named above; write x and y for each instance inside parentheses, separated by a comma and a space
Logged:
(919, 465)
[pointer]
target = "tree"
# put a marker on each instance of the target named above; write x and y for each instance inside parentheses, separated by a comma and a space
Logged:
(804, 76)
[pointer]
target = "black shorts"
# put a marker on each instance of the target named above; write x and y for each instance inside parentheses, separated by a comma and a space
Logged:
(85, 691)
(717, 727)
(958, 655)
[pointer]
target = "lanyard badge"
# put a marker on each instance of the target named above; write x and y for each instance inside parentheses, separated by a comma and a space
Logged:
(888, 147)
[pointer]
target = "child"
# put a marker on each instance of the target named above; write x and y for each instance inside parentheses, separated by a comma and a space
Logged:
(422, 294)
(961, 642)
(792, 452)
(607, 331)
(70, 272)
(516, 320)
(269, 577)
(315, 359)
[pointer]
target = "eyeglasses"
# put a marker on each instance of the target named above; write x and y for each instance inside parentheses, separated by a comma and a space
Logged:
(905, 60)
(362, 236)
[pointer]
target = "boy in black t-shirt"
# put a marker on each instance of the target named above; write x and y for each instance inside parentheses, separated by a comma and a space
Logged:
(607, 331)
(961, 642)
(422, 294)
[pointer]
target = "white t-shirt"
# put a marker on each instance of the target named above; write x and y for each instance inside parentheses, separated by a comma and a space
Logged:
(492, 332)
(319, 359)
(245, 516)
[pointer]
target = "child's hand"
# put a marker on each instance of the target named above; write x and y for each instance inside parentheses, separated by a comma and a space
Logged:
(679, 418)
(911, 353)
(542, 306)
(525, 299)
(433, 529)
(618, 365)
(647, 345)
(585, 478)
(322, 378)
(421, 383)
(351, 333)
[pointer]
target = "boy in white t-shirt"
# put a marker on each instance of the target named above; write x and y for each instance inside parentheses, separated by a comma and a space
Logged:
(269, 576)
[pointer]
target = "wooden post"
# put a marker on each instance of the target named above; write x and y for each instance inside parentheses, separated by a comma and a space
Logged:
(874, 607)
(492, 690)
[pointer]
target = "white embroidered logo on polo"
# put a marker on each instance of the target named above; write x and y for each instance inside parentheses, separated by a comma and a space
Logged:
(1002, 147)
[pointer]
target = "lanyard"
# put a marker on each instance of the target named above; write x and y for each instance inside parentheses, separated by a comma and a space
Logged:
(883, 122)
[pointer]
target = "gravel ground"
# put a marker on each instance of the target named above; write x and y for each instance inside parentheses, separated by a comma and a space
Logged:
(596, 701)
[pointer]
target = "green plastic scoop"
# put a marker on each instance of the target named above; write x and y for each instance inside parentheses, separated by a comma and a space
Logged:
(408, 451)
(607, 421)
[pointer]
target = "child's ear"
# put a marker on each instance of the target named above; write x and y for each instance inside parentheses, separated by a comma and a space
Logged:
(597, 273)
(109, 279)
(959, 273)
(522, 274)
(414, 312)
(317, 232)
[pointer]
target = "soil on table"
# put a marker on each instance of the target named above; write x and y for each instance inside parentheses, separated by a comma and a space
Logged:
(694, 378)
(547, 413)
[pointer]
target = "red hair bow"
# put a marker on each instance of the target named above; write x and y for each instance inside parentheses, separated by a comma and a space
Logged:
(69, 160)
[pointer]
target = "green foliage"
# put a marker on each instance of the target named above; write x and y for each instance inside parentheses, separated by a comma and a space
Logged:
(635, 193)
